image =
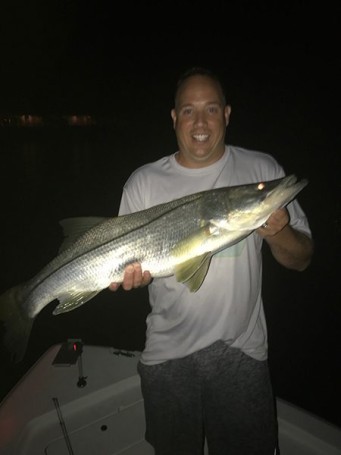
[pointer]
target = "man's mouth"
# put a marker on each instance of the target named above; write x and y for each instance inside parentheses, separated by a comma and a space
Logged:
(200, 137)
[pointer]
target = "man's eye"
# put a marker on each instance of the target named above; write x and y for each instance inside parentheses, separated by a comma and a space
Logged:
(187, 111)
(212, 109)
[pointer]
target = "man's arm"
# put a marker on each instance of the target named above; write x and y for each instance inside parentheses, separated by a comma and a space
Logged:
(291, 248)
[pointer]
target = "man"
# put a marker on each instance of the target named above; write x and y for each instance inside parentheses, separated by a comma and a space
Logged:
(204, 369)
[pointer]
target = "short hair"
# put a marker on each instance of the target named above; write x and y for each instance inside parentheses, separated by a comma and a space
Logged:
(199, 71)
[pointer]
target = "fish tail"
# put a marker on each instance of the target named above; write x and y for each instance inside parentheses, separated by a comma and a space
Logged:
(16, 324)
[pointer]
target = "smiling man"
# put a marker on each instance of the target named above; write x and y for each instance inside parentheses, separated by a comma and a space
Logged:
(200, 118)
(204, 371)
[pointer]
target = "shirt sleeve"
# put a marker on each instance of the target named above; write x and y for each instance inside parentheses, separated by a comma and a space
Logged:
(132, 199)
(298, 219)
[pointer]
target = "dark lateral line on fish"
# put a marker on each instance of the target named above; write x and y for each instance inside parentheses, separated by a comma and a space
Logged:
(93, 249)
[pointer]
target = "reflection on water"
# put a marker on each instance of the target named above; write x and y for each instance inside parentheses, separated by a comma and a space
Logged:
(50, 174)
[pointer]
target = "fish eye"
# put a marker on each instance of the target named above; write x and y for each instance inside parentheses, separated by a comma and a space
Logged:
(261, 186)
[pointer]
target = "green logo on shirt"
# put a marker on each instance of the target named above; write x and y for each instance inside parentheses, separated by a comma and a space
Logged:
(233, 251)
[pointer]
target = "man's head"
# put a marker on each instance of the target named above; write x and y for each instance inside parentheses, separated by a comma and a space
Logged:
(200, 117)
(199, 71)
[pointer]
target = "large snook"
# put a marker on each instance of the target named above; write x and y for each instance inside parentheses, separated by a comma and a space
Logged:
(176, 238)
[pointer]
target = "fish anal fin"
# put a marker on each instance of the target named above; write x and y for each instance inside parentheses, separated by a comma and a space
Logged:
(73, 300)
(192, 272)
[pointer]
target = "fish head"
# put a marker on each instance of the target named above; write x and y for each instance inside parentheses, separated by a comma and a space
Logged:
(249, 206)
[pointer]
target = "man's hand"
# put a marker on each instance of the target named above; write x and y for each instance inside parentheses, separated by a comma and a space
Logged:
(133, 278)
(275, 223)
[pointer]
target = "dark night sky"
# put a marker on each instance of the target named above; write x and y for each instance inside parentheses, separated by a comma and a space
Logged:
(281, 65)
(60, 55)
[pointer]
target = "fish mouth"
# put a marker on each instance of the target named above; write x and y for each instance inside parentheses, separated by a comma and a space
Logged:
(289, 180)
(286, 189)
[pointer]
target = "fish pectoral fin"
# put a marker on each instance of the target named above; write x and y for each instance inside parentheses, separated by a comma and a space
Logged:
(192, 272)
(73, 300)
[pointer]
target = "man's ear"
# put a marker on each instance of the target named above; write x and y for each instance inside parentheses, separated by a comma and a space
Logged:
(227, 113)
(173, 115)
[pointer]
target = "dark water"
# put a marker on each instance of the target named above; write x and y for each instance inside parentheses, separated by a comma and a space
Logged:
(51, 173)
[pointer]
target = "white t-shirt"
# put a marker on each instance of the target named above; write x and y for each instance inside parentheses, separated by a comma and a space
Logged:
(228, 306)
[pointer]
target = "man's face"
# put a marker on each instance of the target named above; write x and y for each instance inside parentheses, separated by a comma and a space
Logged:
(200, 118)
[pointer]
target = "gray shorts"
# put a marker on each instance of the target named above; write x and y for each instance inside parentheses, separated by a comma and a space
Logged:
(219, 393)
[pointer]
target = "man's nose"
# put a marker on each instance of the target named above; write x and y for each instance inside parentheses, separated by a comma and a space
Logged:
(200, 118)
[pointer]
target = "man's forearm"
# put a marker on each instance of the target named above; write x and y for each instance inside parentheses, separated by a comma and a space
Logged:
(291, 248)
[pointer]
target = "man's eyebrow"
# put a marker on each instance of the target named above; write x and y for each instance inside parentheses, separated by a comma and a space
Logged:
(182, 106)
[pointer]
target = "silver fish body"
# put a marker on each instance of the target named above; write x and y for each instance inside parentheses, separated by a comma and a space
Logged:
(175, 238)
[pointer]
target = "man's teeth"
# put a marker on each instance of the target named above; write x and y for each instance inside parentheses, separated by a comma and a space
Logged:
(200, 137)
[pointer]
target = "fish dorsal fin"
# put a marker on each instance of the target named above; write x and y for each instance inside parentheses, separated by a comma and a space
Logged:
(75, 227)
(192, 272)
(73, 300)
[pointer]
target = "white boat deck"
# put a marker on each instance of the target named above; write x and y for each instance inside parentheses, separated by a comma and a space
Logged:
(48, 413)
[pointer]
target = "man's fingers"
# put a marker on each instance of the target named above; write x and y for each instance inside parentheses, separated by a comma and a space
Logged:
(114, 286)
(133, 278)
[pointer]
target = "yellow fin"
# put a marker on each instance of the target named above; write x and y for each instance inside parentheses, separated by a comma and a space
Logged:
(73, 300)
(192, 272)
